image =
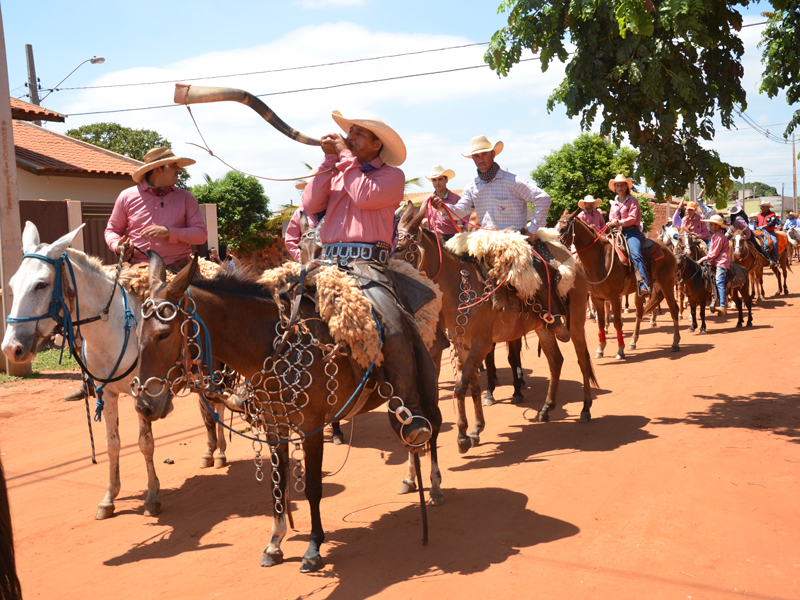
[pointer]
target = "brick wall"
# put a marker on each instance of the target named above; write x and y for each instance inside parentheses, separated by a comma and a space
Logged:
(660, 212)
(274, 255)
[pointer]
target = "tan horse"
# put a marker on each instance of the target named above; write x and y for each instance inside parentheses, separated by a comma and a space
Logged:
(610, 279)
(474, 336)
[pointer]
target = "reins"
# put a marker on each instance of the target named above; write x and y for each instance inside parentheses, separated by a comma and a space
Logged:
(571, 225)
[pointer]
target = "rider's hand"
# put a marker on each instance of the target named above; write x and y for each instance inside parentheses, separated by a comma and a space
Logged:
(155, 231)
(124, 247)
(435, 201)
(531, 236)
(328, 142)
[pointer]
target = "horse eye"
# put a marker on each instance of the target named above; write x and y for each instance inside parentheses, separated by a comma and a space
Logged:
(41, 285)
(163, 336)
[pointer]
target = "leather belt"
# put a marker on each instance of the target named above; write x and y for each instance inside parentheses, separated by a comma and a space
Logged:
(345, 252)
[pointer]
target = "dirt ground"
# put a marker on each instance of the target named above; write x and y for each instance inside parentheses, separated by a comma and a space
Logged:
(684, 485)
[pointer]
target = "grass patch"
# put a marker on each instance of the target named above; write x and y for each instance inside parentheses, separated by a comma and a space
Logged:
(45, 361)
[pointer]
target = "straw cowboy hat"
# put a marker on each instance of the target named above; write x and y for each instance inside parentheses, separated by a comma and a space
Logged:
(752, 215)
(482, 144)
(620, 179)
(715, 219)
(158, 157)
(393, 151)
(595, 202)
(766, 203)
(791, 215)
(735, 210)
(439, 171)
(301, 185)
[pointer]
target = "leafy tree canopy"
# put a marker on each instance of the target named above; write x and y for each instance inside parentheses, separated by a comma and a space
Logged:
(242, 209)
(581, 168)
(648, 215)
(758, 188)
(134, 143)
(655, 70)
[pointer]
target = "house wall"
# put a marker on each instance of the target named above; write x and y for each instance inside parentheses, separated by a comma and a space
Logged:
(84, 189)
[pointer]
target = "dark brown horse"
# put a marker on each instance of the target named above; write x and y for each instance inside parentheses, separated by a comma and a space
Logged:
(474, 336)
(10, 588)
(610, 279)
(300, 381)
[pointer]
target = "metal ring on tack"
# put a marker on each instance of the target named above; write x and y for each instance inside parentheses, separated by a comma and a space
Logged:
(421, 443)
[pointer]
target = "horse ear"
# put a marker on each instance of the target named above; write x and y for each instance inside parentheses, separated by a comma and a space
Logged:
(407, 214)
(177, 287)
(30, 238)
(57, 248)
(158, 271)
(303, 223)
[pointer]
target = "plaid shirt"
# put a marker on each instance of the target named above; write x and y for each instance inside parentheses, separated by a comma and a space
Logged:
(503, 202)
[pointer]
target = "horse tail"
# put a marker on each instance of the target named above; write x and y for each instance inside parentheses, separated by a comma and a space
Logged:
(592, 376)
(10, 588)
(656, 296)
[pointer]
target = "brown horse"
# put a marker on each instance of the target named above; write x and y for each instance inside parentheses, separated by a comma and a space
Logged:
(755, 262)
(300, 380)
(474, 331)
(610, 279)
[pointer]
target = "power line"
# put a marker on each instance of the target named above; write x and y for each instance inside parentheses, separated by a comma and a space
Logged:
(341, 62)
(760, 129)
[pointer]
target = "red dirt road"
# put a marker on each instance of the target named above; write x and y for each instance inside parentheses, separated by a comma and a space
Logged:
(684, 485)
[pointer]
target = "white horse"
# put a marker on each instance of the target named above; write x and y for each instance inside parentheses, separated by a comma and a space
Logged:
(793, 236)
(33, 289)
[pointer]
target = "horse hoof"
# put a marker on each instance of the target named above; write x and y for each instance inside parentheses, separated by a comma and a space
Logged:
(517, 399)
(620, 356)
(749, 324)
(436, 500)
(542, 417)
(475, 440)
(270, 560)
(739, 325)
(463, 444)
(407, 487)
(488, 401)
(702, 330)
(631, 346)
(151, 509)
(104, 512)
(586, 416)
(338, 439)
(692, 328)
(598, 354)
(675, 349)
(206, 462)
(310, 565)
(220, 461)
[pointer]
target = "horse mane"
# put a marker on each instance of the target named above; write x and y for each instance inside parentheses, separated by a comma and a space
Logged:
(89, 262)
(242, 282)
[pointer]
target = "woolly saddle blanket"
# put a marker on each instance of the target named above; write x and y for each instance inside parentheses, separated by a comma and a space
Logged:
(510, 258)
(348, 313)
(136, 278)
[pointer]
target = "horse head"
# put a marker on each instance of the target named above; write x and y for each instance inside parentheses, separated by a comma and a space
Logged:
(566, 228)
(167, 346)
(739, 246)
(309, 245)
(36, 285)
(408, 233)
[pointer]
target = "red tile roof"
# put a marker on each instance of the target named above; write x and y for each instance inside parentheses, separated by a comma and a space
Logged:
(45, 152)
(24, 111)
(420, 196)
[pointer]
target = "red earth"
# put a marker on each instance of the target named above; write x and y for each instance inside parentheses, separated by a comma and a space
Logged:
(684, 485)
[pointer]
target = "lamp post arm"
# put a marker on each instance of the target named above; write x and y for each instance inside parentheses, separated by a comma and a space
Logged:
(55, 87)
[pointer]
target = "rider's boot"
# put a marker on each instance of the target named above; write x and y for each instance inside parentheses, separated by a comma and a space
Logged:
(78, 394)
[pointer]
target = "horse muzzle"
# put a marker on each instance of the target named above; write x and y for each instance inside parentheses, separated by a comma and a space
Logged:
(19, 348)
(153, 404)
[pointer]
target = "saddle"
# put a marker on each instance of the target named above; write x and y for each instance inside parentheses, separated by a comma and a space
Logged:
(650, 250)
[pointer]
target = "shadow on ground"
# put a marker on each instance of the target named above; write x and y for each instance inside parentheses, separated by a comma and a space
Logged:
(765, 411)
(476, 529)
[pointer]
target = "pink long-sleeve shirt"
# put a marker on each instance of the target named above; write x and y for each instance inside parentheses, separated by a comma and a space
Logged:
(136, 208)
(360, 206)
(695, 225)
(595, 219)
(719, 252)
(627, 212)
(441, 222)
(291, 239)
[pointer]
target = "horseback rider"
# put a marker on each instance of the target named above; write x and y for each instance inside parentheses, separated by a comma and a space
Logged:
(591, 213)
(791, 221)
(360, 187)
(766, 222)
(441, 223)
(692, 221)
(718, 256)
(626, 213)
(738, 222)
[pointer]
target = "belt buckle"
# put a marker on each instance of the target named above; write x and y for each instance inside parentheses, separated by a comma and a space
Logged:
(383, 256)
(365, 253)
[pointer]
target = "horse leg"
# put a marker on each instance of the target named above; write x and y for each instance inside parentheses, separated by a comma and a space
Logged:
(491, 377)
(702, 317)
(554, 360)
(437, 496)
(600, 309)
(211, 436)
(221, 459)
(111, 416)
(515, 361)
(693, 309)
(673, 311)
(738, 300)
(273, 555)
(616, 308)
(785, 280)
(152, 505)
(480, 423)
(337, 435)
(749, 302)
(313, 446)
(409, 484)
(639, 316)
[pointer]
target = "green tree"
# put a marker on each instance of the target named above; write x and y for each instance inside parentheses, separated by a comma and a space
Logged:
(133, 143)
(648, 216)
(758, 188)
(581, 168)
(657, 71)
(242, 209)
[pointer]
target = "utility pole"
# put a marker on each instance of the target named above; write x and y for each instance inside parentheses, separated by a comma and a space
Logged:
(33, 83)
(794, 175)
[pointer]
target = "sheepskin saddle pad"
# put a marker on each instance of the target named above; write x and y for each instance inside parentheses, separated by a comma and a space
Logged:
(348, 312)
(136, 278)
(509, 257)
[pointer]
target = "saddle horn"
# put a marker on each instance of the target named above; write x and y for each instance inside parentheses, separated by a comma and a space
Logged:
(195, 94)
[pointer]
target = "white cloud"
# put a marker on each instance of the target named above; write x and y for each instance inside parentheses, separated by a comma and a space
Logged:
(317, 4)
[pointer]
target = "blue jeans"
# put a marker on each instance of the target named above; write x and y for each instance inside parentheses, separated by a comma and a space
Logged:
(774, 243)
(635, 240)
(721, 275)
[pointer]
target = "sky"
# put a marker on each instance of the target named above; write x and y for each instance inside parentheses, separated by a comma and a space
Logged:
(436, 115)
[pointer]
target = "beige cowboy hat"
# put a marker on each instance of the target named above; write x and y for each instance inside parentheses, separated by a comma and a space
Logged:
(715, 219)
(301, 185)
(766, 203)
(158, 157)
(482, 144)
(791, 215)
(440, 171)
(752, 215)
(620, 179)
(595, 202)
(393, 152)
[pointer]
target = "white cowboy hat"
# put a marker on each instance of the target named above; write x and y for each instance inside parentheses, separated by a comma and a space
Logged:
(439, 171)
(595, 202)
(766, 203)
(752, 215)
(715, 219)
(620, 179)
(482, 144)
(393, 151)
(735, 210)
(158, 157)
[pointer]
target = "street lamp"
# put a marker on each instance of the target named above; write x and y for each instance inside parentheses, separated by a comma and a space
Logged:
(95, 60)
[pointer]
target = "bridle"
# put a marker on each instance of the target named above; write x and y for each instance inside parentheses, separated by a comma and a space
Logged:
(569, 229)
